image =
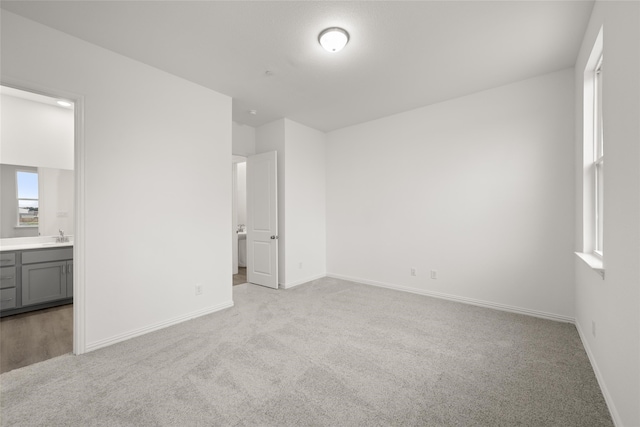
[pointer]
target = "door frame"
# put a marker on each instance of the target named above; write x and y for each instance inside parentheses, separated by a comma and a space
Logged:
(235, 159)
(79, 291)
(234, 217)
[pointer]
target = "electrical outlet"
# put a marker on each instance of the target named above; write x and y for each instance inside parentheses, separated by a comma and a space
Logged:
(198, 289)
(593, 328)
(434, 274)
(413, 271)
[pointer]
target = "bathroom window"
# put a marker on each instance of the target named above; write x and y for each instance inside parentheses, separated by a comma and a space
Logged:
(27, 191)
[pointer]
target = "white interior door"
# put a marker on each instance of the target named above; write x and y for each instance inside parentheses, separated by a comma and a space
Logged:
(262, 220)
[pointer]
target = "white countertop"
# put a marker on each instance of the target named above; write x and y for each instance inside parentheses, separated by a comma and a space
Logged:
(24, 243)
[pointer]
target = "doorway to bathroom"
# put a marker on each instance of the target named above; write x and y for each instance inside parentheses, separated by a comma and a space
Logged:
(37, 228)
(239, 227)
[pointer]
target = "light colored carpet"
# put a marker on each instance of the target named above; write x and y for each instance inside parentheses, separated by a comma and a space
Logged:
(326, 353)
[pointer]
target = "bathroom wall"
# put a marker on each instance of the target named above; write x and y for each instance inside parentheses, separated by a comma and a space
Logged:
(242, 193)
(240, 254)
(38, 135)
(35, 134)
(56, 201)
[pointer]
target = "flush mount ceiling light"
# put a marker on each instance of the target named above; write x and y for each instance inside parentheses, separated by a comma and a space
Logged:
(63, 103)
(333, 39)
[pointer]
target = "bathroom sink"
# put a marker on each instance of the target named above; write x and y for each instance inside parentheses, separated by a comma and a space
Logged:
(24, 243)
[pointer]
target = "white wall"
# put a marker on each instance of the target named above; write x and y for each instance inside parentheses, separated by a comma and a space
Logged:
(305, 205)
(614, 303)
(479, 188)
(35, 134)
(244, 139)
(148, 163)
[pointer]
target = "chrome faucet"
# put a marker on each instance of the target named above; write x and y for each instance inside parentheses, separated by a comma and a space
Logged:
(61, 238)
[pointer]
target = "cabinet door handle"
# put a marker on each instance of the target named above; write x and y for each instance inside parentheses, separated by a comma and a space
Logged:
(69, 269)
(8, 299)
(6, 278)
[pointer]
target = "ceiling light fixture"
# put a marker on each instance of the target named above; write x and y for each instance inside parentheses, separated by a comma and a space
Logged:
(333, 39)
(63, 103)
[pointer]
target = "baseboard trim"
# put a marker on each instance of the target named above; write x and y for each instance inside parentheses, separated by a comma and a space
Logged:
(603, 387)
(161, 325)
(456, 298)
(300, 282)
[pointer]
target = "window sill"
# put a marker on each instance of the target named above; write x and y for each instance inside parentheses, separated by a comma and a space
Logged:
(592, 261)
(25, 226)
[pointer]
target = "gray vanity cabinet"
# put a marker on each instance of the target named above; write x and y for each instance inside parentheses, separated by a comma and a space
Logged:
(7, 298)
(8, 279)
(47, 275)
(69, 279)
(33, 279)
(44, 282)
(7, 258)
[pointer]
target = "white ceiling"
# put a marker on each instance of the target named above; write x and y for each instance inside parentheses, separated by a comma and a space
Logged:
(402, 55)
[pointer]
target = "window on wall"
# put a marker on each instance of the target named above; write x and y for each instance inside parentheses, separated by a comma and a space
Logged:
(27, 192)
(598, 160)
(593, 172)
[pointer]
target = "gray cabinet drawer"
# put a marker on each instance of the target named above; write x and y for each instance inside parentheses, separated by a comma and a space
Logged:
(7, 258)
(8, 277)
(7, 298)
(47, 255)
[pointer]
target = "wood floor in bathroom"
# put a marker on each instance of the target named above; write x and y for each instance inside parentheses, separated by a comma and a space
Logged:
(241, 277)
(36, 336)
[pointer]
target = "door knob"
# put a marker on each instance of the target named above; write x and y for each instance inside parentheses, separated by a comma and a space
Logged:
(274, 237)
